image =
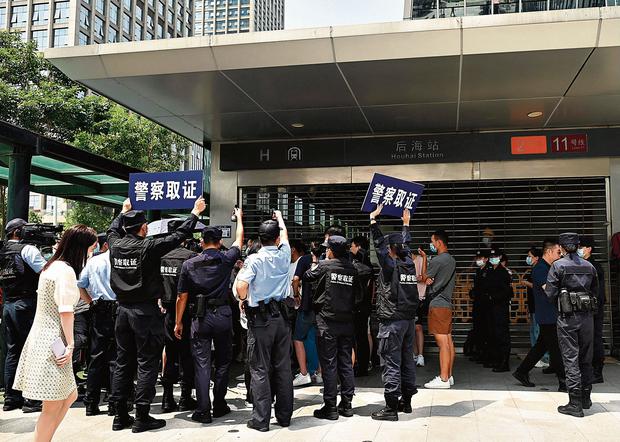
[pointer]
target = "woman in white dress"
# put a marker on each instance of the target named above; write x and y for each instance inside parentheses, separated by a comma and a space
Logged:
(40, 374)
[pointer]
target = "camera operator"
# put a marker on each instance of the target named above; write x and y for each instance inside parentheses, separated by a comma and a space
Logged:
(20, 265)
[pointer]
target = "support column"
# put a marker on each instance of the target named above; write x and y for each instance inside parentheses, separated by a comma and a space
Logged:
(19, 183)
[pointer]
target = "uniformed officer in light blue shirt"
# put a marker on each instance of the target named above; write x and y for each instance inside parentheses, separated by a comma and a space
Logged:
(262, 285)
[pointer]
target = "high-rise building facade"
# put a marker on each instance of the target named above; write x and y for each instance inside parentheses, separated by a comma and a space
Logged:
(53, 23)
(235, 16)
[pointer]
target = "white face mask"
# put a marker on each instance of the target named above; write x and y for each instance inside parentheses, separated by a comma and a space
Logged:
(495, 261)
(480, 262)
(581, 252)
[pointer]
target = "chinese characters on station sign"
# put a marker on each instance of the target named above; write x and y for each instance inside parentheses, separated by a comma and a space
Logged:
(395, 194)
(165, 190)
(569, 143)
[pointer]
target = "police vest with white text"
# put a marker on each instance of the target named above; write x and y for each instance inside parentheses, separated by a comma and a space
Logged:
(338, 290)
(17, 278)
(398, 298)
(170, 271)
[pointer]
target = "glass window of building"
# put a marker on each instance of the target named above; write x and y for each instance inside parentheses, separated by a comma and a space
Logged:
(61, 12)
(220, 14)
(245, 12)
(61, 37)
(151, 3)
(198, 6)
(198, 15)
(149, 36)
(179, 25)
(169, 32)
(197, 28)
(170, 17)
(113, 14)
(232, 24)
(244, 23)
(209, 2)
(112, 35)
(209, 15)
(126, 23)
(40, 38)
(127, 4)
(160, 8)
(83, 39)
(179, 7)
(2, 17)
(150, 21)
(100, 6)
(233, 2)
(233, 13)
(220, 25)
(209, 27)
(137, 31)
(139, 10)
(160, 30)
(34, 201)
(99, 27)
(19, 16)
(40, 14)
(84, 16)
(125, 38)
(220, 3)
(245, 2)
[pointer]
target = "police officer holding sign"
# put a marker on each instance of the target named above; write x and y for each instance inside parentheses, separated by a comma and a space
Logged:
(136, 280)
(262, 284)
(338, 291)
(397, 304)
(204, 282)
(572, 284)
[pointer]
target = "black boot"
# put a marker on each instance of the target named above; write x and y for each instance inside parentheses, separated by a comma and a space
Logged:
(32, 406)
(574, 406)
(562, 386)
(344, 408)
(111, 408)
(404, 405)
(389, 412)
(204, 417)
(122, 419)
(586, 401)
(168, 403)
(187, 402)
(523, 378)
(327, 411)
(503, 366)
(92, 409)
(598, 374)
(221, 410)
(144, 421)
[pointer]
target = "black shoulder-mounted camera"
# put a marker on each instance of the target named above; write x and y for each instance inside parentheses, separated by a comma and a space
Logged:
(41, 235)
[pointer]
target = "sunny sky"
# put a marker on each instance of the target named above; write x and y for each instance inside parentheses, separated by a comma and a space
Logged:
(317, 13)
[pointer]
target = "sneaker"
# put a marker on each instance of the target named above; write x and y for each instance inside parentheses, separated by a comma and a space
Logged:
(437, 383)
(301, 380)
(451, 380)
(318, 379)
(241, 386)
(420, 361)
(241, 377)
(541, 364)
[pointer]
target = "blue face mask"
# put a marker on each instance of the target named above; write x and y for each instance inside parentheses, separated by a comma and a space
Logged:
(494, 261)
(581, 253)
(96, 250)
(529, 261)
(433, 248)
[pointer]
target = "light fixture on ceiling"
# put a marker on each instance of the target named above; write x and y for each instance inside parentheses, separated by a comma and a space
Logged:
(297, 125)
(535, 114)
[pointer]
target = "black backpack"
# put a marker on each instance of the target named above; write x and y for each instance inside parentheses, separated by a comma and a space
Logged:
(12, 266)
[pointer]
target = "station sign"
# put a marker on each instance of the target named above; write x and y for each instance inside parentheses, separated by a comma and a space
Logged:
(165, 190)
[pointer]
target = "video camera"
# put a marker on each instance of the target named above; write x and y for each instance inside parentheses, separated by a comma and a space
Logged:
(42, 236)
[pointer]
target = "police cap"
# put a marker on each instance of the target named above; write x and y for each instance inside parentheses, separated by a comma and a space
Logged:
(495, 252)
(337, 244)
(269, 230)
(14, 224)
(586, 241)
(211, 234)
(133, 218)
(568, 239)
(395, 238)
(482, 254)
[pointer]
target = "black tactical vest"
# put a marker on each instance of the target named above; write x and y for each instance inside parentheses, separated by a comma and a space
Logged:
(398, 299)
(17, 278)
(170, 270)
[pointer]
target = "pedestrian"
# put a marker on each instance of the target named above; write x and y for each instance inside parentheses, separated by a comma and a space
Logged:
(585, 251)
(422, 313)
(361, 262)
(440, 276)
(20, 265)
(42, 374)
(262, 285)
(178, 351)
(397, 303)
(335, 302)
(572, 285)
(546, 318)
(534, 254)
(480, 309)
(139, 329)
(204, 284)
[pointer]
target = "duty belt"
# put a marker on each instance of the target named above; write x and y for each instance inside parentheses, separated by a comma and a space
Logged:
(576, 302)
(273, 309)
(202, 303)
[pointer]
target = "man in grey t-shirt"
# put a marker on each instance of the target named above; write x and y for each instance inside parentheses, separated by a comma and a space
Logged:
(440, 277)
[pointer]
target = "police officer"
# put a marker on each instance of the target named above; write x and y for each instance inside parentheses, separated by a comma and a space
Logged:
(178, 351)
(397, 302)
(95, 278)
(338, 293)
(204, 282)
(480, 309)
(262, 285)
(585, 250)
(139, 328)
(572, 284)
(20, 265)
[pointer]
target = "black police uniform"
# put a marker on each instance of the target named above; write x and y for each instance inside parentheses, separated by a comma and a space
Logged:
(19, 291)
(137, 282)
(572, 284)
(397, 302)
(178, 352)
(480, 311)
(338, 291)
(206, 279)
(362, 313)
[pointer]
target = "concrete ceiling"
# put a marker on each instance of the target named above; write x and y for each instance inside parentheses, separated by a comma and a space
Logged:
(444, 75)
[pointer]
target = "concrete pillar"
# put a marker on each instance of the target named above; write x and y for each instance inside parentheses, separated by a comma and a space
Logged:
(19, 183)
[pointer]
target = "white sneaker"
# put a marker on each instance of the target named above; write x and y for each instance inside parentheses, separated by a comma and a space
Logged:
(318, 379)
(301, 379)
(541, 364)
(241, 386)
(438, 384)
(451, 380)
(420, 361)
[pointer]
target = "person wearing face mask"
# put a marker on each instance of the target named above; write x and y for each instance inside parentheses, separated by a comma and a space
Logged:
(479, 309)
(585, 250)
(533, 255)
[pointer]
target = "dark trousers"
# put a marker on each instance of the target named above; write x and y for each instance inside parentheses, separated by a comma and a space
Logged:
(598, 357)
(178, 352)
(102, 351)
(17, 317)
(81, 328)
(575, 336)
(335, 345)
(362, 348)
(215, 327)
(480, 313)
(139, 334)
(547, 342)
(396, 350)
(269, 352)
(498, 332)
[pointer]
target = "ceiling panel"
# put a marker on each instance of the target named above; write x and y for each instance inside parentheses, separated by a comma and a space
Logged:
(584, 111)
(127, 97)
(182, 127)
(600, 75)
(317, 122)
(404, 81)
(242, 126)
(412, 117)
(505, 114)
(295, 87)
(520, 74)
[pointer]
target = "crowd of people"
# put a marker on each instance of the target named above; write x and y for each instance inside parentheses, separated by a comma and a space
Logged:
(163, 304)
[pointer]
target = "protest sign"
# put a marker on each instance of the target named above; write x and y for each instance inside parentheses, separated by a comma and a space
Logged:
(395, 194)
(165, 190)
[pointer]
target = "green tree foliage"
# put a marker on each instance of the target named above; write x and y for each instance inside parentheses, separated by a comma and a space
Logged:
(97, 217)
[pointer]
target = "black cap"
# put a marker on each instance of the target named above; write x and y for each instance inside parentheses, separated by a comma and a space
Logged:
(102, 238)
(211, 234)
(482, 254)
(495, 252)
(395, 238)
(269, 230)
(133, 218)
(14, 224)
(586, 241)
(337, 244)
(568, 238)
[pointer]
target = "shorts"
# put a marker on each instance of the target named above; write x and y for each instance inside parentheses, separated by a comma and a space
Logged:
(304, 324)
(440, 320)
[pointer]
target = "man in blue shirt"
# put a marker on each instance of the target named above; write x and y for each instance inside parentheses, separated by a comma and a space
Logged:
(546, 317)
(262, 284)
(20, 265)
(94, 285)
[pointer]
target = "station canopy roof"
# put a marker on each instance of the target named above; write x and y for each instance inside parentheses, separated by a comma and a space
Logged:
(441, 75)
(62, 170)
